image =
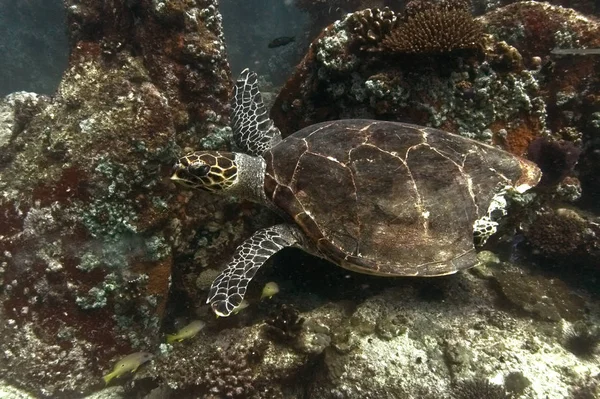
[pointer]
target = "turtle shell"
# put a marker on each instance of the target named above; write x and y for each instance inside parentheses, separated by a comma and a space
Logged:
(389, 198)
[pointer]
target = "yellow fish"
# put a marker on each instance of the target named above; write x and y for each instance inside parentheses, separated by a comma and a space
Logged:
(186, 332)
(269, 290)
(243, 305)
(129, 363)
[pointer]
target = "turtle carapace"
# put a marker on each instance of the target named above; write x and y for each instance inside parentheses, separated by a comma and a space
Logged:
(377, 197)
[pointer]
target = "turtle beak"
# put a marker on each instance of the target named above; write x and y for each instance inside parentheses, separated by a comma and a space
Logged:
(176, 169)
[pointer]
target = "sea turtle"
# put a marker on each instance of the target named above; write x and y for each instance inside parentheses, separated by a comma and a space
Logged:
(377, 197)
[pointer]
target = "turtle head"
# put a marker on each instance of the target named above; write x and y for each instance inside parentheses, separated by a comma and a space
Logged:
(212, 171)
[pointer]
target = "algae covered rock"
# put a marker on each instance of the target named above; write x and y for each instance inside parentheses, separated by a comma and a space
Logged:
(85, 251)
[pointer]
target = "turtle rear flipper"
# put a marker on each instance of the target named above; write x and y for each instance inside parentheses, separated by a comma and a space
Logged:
(229, 288)
(253, 131)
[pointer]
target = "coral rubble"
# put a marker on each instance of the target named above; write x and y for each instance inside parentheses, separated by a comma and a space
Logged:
(464, 338)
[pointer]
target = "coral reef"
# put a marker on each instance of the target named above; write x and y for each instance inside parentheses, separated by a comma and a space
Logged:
(588, 7)
(238, 363)
(88, 222)
(229, 375)
(556, 159)
(494, 100)
(325, 12)
(284, 325)
(571, 84)
(512, 92)
(16, 110)
(435, 28)
(565, 235)
(91, 229)
(369, 27)
(510, 97)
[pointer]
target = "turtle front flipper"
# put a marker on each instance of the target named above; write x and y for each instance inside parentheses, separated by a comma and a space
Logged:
(253, 131)
(229, 288)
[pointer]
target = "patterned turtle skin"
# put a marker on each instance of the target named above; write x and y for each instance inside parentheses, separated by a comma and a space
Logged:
(390, 198)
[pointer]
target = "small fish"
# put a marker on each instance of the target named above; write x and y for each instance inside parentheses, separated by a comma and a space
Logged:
(269, 290)
(129, 363)
(243, 305)
(281, 41)
(186, 332)
(575, 51)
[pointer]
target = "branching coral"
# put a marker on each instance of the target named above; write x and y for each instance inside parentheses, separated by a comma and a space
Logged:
(431, 28)
(370, 26)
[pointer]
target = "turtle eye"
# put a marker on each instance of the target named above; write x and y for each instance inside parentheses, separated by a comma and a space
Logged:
(199, 169)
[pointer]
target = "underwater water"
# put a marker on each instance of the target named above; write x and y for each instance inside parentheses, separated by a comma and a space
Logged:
(346, 199)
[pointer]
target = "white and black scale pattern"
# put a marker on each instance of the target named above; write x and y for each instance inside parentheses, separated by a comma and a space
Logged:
(254, 131)
(229, 288)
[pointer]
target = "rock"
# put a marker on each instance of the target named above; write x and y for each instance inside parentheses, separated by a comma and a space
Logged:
(544, 298)
(240, 363)
(444, 342)
(86, 250)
